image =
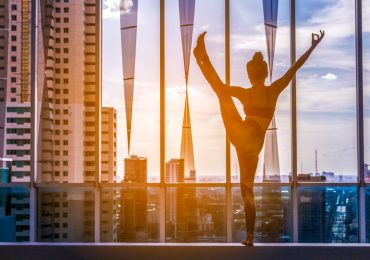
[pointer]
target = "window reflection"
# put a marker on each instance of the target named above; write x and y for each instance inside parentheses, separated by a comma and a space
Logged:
(273, 221)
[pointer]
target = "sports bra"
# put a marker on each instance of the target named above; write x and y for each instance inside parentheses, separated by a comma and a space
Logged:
(259, 111)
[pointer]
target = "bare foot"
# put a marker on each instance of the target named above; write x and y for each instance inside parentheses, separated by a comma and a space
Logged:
(248, 241)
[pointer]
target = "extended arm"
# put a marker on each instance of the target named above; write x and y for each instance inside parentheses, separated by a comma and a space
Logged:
(283, 82)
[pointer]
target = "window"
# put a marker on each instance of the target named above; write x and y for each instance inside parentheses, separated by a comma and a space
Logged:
(326, 116)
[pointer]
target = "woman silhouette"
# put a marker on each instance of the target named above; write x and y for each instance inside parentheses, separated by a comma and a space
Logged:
(259, 103)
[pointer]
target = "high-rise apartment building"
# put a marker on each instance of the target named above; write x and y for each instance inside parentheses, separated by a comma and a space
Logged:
(109, 197)
(109, 145)
(69, 101)
(15, 117)
(15, 82)
(72, 72)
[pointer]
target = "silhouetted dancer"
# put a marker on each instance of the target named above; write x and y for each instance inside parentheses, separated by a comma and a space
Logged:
(259, 103)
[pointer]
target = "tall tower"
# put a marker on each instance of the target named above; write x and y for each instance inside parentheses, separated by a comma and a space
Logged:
(186, 10)
(187, 153)
(175, 224)
(271, 166)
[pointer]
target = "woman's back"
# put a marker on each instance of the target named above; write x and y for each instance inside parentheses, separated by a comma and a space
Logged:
(259, 104)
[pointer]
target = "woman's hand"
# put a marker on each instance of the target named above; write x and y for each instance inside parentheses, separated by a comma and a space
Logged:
(200, 50)
(316, 39)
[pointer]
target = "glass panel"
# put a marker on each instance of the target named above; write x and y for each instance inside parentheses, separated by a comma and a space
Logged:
(327, 215)
(14, 214)
(195, 215)
(248, 36)
(326, 94)
(201, 137)
(65, 215)
(273, 216)
(130, 215)
(145, 142)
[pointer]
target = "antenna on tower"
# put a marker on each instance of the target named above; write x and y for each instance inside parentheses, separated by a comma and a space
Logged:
(301, 167)
(316, 168)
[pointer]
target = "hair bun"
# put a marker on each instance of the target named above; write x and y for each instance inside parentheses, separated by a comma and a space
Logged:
(258, 56)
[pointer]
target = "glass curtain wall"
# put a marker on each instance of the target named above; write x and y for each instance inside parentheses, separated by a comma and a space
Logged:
(97, 179)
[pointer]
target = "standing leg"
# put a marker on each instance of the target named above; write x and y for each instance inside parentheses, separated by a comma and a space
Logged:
(248, 165)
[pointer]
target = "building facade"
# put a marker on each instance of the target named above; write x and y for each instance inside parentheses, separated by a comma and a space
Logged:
(69, 108)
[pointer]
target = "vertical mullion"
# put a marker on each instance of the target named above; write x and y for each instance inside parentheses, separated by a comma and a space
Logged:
(227, 82)
(162, 201)
(33, 192)
(98, 95)
(294, 191)
(360, 120)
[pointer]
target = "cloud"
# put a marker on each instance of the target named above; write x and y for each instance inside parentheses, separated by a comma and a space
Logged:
(126, 6)
(111, 8)
(329, 76)
(180, 90)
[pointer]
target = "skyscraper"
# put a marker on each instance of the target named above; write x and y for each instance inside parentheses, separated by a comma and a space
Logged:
(69, 101)
(15, 82)
(175, 226)
(15, 117)
(109, 197)
(109, 145)
(187, 153)
(75, 107)
(133, 217)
